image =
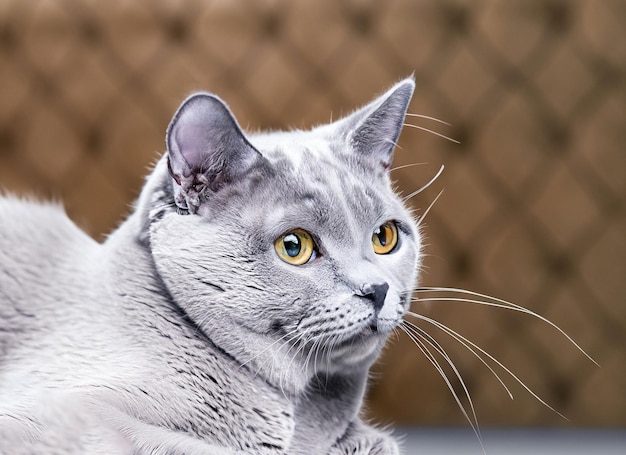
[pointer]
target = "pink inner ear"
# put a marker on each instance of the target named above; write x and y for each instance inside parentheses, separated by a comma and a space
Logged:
(206, 149)
(193, 142)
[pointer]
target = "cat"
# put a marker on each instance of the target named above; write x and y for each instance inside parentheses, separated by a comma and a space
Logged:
(238, 308)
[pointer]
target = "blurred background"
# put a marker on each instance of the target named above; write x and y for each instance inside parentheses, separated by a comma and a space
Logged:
(533, 208)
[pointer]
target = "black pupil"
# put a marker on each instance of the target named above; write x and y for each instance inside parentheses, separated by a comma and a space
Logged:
(292, 245)
(381, 233)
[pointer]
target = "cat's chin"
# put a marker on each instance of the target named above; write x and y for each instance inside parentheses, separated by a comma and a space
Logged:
(361, 348)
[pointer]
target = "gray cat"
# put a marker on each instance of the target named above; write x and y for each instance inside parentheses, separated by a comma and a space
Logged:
(237, 309)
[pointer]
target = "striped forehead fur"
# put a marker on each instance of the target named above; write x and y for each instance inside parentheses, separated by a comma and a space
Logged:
(321, 176)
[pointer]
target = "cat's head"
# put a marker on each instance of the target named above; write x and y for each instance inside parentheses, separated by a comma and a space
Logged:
(292, 244)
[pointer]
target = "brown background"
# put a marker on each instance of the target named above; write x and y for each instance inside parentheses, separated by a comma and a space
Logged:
(533, 209)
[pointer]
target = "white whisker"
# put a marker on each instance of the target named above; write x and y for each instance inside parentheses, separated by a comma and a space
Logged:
(468, 345)
(500, 304)
(270, 346)
(300, 344)
(423, 216)
(513, 375)
(417, 336)
(419, 190)
(437, 346)
(433, 132)
(406, 165)
(428, 117)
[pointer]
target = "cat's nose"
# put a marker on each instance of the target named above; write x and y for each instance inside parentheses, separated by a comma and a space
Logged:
(376, 293)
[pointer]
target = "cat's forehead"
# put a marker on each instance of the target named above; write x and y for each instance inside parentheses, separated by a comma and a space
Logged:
(315, 164)
(299, 149)
(316, 177)
(318, 156)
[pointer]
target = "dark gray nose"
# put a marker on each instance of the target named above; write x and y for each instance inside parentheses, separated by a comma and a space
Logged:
(376, 293)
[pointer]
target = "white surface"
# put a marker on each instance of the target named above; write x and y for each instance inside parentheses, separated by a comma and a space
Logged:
(541, 441)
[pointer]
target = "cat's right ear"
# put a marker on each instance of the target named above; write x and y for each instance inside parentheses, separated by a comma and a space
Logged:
(206, 149)
(374, 129)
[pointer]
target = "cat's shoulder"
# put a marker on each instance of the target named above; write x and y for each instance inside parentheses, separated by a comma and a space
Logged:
(25, 220)
(13, 206)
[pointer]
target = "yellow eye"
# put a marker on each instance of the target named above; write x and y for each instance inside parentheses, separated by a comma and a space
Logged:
(385, 238)
(295, 247)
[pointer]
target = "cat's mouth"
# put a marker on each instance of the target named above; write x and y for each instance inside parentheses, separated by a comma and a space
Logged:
(368, 330)
(358, 348)
(376, 327)
(364, 335)
(365, 341)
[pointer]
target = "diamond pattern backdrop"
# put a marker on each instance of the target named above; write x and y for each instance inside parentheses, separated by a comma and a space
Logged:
(533, 208)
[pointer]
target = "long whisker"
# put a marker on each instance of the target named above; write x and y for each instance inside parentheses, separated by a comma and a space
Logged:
(406, 165)
(294, 341)
(314, 353)
(468, 345)
(417, 340)
(269, 347)
(286, 339)
(313, 348)
(500, 304)
(317, 343)
(433, 132)
(437, 346)
(300, 344)
(513, 375)
(431, 358)
(299, 347)
(423, 216)
(419, 190)
(428, 118)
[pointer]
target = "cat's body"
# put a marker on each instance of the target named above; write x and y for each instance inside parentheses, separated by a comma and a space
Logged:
(190, 330)
(114, 339)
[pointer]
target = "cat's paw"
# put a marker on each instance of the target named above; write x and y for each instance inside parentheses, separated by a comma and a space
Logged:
(361, 439)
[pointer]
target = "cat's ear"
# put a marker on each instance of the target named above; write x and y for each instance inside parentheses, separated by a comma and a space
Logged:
(374, 129)
(206, 149)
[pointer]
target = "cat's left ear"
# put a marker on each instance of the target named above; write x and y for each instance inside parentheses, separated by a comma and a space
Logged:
(206, 149)
(374, 129)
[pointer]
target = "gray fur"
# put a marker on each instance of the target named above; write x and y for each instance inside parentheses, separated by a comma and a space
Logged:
(184, 332)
